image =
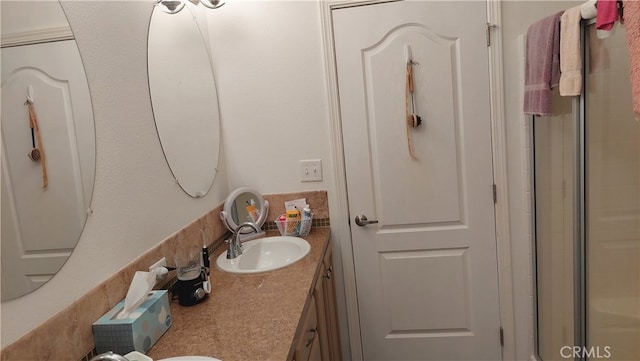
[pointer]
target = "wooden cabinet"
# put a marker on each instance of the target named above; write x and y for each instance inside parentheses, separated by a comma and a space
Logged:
(330, 309)
(318, 336)
(307, 345)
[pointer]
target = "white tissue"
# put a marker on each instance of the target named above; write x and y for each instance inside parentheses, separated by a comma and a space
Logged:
(141, 284)
(588, 10)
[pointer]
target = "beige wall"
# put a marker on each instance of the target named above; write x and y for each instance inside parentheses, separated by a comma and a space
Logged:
(23, 16)
(269, 63)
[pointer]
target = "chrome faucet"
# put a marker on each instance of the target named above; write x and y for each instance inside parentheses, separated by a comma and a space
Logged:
(235, 245)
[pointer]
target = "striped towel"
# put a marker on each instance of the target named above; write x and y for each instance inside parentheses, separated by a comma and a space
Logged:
(542, 68)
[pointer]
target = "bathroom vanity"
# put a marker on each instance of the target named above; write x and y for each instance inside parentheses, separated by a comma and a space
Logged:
(317, 337)
(285, 314)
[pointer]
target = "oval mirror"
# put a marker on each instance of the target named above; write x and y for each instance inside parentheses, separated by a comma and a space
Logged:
(244, 205)
(46, 196)
(184, 99)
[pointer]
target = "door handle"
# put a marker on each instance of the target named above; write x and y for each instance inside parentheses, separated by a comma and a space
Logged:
(314, 332)
(362, 220)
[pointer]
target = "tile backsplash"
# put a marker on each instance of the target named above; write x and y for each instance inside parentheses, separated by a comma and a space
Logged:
(68, 334)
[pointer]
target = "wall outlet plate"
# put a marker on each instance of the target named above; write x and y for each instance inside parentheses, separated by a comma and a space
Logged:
(311, 170)
(162, 262)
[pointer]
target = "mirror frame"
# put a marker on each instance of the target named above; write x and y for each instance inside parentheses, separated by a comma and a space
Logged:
(262, 204)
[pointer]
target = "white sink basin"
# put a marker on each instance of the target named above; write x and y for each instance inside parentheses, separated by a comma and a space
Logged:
(265, 254)
(190, 358)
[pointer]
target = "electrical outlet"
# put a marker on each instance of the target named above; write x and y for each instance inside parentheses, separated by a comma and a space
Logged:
(311, 170)
(162, 262)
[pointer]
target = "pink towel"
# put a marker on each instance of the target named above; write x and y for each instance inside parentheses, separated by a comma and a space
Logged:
(632, 29)
(542, 65)
(607, 14)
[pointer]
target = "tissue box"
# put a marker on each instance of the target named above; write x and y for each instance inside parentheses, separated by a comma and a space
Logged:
(139, 331)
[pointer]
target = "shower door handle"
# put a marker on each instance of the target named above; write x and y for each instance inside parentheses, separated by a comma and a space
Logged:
(362, 220)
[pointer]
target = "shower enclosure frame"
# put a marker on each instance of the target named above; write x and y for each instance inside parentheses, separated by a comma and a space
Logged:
(579, 214)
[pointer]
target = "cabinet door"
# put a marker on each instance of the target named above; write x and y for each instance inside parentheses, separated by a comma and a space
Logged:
(308, 337)
(315, 353)
(331, 313)
(321, 307)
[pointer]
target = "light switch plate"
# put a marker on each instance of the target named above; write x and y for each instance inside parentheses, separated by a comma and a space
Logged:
(311, 170)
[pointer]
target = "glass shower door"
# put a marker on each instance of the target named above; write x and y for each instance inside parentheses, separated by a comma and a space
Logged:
(587, 214)
(555, 158)
(612, 197)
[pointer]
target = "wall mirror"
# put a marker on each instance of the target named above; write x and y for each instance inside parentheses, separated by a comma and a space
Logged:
(184, 99)
(45, 197)
(244, 205)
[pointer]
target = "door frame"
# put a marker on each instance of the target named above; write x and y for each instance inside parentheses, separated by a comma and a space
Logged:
(338, 200)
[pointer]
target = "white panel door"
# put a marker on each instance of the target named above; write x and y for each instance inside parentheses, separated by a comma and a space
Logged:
(40, 226)
(426, 273)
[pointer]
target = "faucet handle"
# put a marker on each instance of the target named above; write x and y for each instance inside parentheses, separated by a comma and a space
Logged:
(233, 250)
(229, 244)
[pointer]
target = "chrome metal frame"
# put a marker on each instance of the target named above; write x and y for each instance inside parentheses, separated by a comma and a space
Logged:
(534, 236)
(581, 251)
(580, 203)
(578, 217)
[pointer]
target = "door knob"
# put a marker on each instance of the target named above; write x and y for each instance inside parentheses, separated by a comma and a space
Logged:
(362, 220)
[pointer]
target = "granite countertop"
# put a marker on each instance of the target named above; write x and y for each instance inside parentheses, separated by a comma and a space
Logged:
(246, 317)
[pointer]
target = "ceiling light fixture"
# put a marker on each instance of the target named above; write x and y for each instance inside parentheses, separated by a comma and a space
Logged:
(175, 6)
